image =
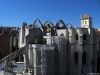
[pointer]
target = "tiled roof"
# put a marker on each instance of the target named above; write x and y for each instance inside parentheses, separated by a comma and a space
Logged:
(86, 16)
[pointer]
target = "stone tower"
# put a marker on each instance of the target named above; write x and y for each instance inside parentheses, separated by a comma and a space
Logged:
(86, 21)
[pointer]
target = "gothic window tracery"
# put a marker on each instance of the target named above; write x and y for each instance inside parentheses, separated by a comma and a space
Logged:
(60, 25)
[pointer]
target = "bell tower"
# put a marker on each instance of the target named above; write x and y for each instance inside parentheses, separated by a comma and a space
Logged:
(86, 21)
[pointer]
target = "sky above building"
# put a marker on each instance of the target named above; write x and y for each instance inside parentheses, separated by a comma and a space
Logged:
(14, 12)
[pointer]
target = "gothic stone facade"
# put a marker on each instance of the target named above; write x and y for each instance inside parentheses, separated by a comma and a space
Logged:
(75, 50)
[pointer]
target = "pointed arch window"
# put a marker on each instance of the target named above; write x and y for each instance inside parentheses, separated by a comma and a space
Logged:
(60, 25)
(76, 57)
(76, 36)
(84, 56)
(37, 23)
(48, 24)
(84, 36)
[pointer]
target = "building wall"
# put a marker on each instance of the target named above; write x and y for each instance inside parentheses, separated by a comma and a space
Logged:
(85, 23)
(41, 59)
(8, 43)
(4, 45)
(62, 56)
(75, 53)
(24, 31)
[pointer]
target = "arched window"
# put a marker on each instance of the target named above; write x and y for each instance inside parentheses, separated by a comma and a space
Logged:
(76, 36)
(84, 36)
(84, 56)
(76, 57)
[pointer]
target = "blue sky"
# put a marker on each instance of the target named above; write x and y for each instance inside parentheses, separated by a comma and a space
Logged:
(14, 12)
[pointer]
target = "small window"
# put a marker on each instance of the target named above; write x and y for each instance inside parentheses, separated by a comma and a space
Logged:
(76, 36)
(84, 56)
(84, 37)
(76, 57)
(82, 22)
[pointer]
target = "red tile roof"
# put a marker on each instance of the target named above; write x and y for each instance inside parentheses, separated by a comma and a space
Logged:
(86, 16)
